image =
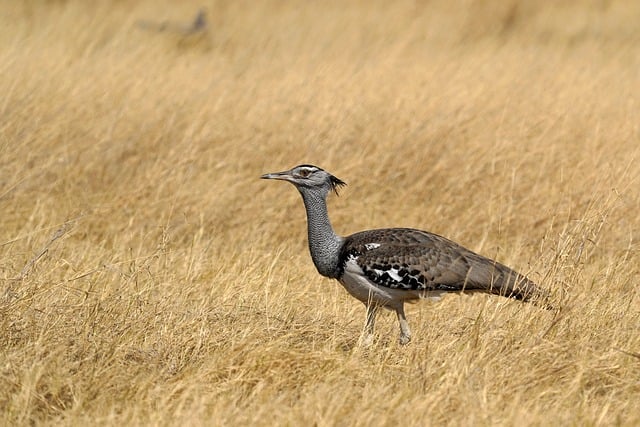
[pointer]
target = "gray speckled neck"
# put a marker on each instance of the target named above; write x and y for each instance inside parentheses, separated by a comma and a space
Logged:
(324, 243)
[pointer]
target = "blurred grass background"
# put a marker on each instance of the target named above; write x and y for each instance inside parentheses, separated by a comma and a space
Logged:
(147, 276)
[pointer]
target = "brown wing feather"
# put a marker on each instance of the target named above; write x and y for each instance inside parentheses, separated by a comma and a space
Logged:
(405, 258)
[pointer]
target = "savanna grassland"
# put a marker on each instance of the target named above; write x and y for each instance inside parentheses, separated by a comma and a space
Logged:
(149, 277)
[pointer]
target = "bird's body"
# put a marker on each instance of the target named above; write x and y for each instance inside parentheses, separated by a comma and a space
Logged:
(417, 262)
(388, 267)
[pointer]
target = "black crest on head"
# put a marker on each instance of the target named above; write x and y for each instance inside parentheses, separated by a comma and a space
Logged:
(336, 183)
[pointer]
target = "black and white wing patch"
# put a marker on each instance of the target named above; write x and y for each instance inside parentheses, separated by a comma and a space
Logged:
(395, 276)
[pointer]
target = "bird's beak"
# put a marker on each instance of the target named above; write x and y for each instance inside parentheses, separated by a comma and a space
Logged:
(277, 175)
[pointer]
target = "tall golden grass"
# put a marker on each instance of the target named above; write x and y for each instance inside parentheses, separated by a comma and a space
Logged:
(148, 277)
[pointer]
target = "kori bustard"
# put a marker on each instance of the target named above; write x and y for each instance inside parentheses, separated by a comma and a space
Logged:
(384, 268)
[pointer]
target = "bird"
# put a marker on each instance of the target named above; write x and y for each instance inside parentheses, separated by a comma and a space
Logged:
(384, 268)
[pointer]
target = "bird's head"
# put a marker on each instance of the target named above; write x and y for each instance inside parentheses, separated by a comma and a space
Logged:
(308, 178)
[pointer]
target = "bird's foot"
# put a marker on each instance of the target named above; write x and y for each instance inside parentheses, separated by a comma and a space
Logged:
(366, 340)
(404, 339)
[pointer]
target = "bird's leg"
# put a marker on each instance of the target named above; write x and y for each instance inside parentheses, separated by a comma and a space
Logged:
(405, 332)
(372, 310)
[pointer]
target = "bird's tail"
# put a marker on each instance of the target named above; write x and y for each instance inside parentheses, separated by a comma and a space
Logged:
(511, 284)
(487, 275)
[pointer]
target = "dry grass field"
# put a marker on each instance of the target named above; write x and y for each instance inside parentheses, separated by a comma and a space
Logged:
(149, 277)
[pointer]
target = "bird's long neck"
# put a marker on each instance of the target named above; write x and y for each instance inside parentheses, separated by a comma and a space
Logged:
(324, 243)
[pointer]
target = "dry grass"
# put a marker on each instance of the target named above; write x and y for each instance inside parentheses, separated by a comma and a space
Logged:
(147, 276)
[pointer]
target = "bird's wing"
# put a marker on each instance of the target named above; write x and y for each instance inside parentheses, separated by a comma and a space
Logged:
(409, 259)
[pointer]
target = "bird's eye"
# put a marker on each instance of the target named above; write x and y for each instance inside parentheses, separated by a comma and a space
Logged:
(304, 173)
